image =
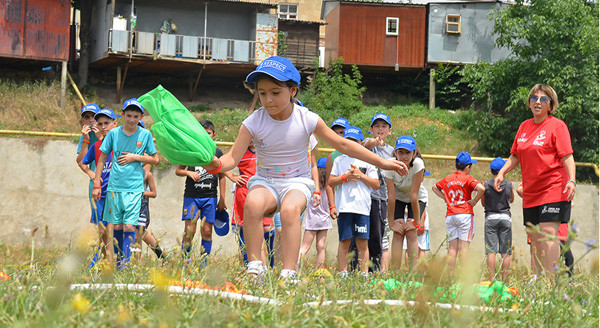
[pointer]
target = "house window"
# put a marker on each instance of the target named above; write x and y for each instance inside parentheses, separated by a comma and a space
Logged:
(391, 25)
(453, 25)
(288, 11)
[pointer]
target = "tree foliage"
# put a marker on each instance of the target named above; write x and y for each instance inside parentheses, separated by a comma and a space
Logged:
(332, 93)
(552, 42)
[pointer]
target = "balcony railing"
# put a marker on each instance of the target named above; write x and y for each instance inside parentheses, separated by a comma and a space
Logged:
(161, 45)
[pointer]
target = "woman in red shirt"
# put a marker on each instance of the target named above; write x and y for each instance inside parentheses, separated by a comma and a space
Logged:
(543, 148)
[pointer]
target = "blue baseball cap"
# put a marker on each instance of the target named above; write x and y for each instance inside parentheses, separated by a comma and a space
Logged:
(105, 112)
(221, 223)
(279, 68)
(92, 108)
(322, 162)
(142, 124)
(406, 142)
(381, 116)
(340, 122)
(497, 164)
(353, 133)
(133, 102)
(464, 158)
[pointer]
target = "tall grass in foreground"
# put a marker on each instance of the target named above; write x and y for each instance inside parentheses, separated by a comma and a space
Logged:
(37, 294)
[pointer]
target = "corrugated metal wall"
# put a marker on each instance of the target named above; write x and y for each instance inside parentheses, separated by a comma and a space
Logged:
(35, 29)
(363, 41)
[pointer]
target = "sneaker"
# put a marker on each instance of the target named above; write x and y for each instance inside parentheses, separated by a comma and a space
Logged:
(255, 268)
(343, 274)
(364, 274)
(288, 276)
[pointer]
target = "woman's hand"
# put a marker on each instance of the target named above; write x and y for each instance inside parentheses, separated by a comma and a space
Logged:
(570, 190)
(498, 181)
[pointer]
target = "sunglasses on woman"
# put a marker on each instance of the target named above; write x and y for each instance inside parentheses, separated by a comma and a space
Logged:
(543, 99)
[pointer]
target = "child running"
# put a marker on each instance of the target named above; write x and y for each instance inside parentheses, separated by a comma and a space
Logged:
(281, 131)
(132, 147)
(498, 224)
(105, 120)
(357, 180)
(456, 189)
(317, 221)
(409, 193)
(200, 200)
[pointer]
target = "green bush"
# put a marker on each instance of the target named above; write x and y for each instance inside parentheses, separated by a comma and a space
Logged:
(450, 90)
(332, 93)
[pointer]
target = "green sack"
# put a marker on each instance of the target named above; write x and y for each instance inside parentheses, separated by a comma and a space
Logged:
(179, 136)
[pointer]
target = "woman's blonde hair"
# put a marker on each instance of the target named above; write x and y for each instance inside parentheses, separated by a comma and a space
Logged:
(549, 91)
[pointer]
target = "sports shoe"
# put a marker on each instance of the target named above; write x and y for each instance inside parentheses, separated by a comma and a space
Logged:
(255, 268)
(343, 274)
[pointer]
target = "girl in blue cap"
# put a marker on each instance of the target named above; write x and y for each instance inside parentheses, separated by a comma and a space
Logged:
(280, 131)
(408, 192)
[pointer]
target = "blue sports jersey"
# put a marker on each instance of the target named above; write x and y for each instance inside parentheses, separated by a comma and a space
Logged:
(92, 157)
(129, 177)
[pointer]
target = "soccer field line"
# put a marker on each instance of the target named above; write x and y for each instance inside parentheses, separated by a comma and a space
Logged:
(177, 290)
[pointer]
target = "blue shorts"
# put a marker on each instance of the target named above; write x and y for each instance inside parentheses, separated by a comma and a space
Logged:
(144, 220)
(353, 225)
(206, 206)
(97, 214)
(124, 208)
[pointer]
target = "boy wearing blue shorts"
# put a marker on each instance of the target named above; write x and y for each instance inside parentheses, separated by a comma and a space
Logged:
(356, 180)
(132, 147)
(200, 200)
(105, 121)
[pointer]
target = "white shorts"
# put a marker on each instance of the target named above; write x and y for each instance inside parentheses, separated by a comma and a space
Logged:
(280, 187)
(461, 226)
(422, 240)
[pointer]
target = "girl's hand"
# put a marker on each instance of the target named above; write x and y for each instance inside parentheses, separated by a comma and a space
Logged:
(353, 173)
(316, 198)
(420, 232)
(333, 213)
(85, 132)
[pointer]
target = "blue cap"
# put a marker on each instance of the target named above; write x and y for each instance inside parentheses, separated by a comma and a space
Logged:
(497, 164)
(105, 112)
(278, 68)
(92, 108)
(322, 162)
(221, 223)
(381, 116)
(406, 142)
(427, 173)
(353, 133)
(133, 102)
(464, 158)
(142, 124)
(340, 122)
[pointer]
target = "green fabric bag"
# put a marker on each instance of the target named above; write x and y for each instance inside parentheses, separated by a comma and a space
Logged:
(179, 136)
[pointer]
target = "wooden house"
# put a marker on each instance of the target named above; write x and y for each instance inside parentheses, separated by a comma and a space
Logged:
(375, 35)
(301, 39)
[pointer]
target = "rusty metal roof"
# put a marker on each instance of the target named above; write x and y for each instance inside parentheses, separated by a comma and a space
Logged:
(286, 20)
(265, 4)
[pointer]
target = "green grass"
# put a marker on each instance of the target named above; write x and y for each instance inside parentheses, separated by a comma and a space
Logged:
(38, 295)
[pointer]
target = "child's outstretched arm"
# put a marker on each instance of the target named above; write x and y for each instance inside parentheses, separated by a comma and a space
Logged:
(152, 193)
(355, 150)
(230, 160)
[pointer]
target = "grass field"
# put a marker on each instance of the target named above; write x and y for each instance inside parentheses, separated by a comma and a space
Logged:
(37, 294)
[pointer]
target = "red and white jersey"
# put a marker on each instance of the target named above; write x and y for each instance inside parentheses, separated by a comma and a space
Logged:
(457, 188)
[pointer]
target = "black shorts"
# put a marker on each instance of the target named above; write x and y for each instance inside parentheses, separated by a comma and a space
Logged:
(552, 212)
(144, 219)
(400, 206)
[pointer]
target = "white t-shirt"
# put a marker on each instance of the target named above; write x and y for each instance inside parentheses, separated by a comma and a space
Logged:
(403, 183)
(282, 146)
(353, 196)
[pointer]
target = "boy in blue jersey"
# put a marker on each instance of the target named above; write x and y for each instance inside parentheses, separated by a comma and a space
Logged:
(105, 121)
(88, 137)
(132, 147)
